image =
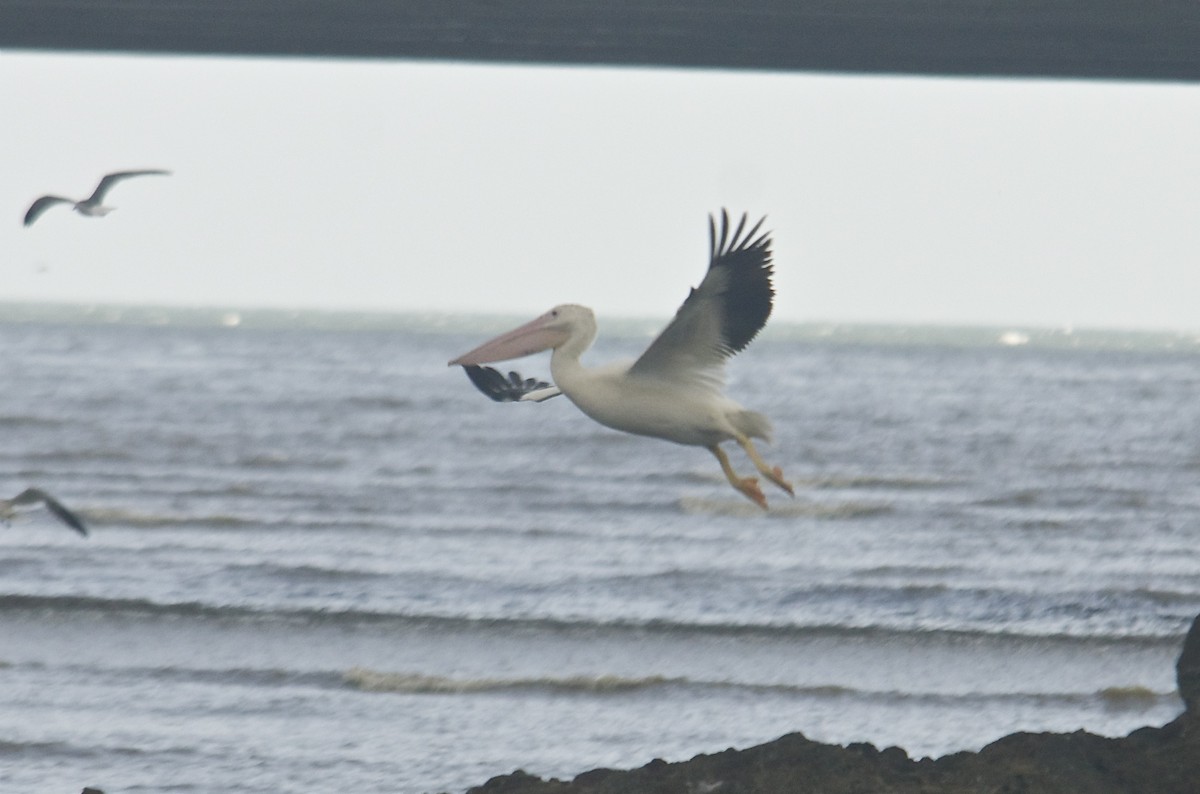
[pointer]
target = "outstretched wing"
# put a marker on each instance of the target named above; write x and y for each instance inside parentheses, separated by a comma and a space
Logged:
(722, 315)
(35, 495)
(41, 205)
(109, 180)
(514, 388)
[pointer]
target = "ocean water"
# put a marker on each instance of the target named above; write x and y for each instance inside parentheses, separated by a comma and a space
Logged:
(320, 560)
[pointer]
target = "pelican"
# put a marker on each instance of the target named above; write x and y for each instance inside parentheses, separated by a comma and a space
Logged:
(31, 496)
(673, 391)
(93, 205)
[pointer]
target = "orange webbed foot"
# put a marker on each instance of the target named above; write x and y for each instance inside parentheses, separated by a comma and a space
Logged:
(776, 476)
(749, 487)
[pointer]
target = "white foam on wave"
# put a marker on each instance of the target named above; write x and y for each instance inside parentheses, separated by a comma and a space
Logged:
(416, 683)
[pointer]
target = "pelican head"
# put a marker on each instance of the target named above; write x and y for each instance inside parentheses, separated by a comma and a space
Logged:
(568, 322)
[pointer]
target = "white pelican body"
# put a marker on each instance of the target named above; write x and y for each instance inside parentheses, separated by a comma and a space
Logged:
(647, 404)
(93, 205)
(674, 390)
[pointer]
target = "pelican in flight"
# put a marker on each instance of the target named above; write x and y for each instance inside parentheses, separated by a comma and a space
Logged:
(33, 496)
(93, 205)
(673, 391)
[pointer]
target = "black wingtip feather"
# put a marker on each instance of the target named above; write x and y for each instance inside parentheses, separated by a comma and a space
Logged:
(489, 381)
(499, 388)
(749, 294)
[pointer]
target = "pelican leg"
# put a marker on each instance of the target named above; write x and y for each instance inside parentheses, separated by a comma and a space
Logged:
(772, 473)
(747, 485)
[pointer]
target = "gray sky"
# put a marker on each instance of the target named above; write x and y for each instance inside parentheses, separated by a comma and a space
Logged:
(450, 187)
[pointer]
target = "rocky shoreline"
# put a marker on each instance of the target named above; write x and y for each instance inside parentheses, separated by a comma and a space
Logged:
(1152, 760)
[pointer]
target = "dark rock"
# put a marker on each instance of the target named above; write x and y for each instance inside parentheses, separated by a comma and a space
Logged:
(1187, 671)
(519, 781)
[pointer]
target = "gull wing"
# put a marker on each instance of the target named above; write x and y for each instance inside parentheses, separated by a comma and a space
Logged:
(109, 180)
(35, 495)
(41, 205)
(722, 315)
(514, 388)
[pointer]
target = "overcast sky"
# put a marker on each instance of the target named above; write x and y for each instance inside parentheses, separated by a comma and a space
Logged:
(506, 189)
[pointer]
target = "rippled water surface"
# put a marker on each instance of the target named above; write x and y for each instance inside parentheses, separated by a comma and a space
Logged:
(320, 559)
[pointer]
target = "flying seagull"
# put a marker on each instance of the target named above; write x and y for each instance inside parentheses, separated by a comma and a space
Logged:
(93, 205)
(674, 391)
(32, 496)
